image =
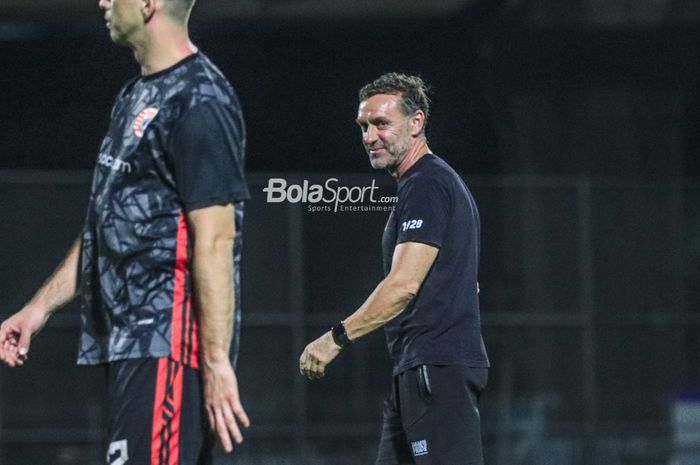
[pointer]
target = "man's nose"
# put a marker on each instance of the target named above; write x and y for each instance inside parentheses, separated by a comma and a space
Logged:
(370, 134)
(103, 4)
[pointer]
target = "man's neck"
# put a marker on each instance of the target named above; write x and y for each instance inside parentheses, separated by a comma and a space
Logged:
(415, 153)
(164, 45)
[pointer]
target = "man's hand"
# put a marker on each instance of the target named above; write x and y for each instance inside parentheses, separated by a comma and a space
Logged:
(17, 331)
(223, 403)
(317, 355)
(16, 334)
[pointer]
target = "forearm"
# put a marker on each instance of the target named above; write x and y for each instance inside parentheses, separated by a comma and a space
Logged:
(61, 286)
(214, 295)
(410, 266)
(389, 299)
(386, 302)
(214, 231)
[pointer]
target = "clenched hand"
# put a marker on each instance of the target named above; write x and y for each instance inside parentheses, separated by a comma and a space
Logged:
(317, 355)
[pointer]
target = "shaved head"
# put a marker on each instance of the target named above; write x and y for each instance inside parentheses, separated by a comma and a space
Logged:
(179, 9)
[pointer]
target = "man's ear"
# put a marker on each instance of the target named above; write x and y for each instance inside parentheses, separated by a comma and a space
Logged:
(417, 123)
(148, 9)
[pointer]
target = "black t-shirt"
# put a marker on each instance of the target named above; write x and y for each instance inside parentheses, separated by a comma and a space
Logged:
(441, 325)
(175, 143)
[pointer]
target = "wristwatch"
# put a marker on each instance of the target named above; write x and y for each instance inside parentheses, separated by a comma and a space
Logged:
(340, 337)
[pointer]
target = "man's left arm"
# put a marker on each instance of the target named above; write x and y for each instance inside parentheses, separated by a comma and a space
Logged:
(214, 231)
(409, 267)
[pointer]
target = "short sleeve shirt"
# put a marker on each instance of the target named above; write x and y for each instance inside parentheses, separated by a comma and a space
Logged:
(176, 143)
(441, 325)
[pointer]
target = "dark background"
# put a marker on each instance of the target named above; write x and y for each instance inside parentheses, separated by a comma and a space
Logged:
(574, 123)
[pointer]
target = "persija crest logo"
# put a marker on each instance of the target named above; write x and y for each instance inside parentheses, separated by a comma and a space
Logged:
(143, 120)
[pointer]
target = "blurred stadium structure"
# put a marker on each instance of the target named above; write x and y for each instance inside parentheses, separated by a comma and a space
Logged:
(584, 299)
(574, 122)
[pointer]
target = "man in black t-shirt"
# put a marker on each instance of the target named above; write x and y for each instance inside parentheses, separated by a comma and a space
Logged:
(428, 301)
(157, 264)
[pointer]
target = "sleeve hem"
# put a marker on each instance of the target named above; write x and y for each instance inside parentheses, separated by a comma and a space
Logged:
(228, 197)
(435, 244)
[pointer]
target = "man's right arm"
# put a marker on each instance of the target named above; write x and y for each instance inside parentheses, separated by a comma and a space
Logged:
(16, 332)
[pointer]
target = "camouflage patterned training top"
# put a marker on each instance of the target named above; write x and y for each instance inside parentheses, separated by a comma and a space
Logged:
(176, 143)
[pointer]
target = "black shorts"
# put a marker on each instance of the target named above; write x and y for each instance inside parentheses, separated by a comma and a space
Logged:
(156, 414)
(432, 417)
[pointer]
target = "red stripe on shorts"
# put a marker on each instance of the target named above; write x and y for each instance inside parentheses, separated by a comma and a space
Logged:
(167, 409)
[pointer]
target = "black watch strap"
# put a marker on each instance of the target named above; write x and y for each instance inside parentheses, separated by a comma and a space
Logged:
(340, 337)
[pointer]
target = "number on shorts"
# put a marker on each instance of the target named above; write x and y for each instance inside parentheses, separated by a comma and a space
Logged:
(118, 453)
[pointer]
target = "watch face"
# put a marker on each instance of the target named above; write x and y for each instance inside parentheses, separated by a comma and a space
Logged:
(340, 337)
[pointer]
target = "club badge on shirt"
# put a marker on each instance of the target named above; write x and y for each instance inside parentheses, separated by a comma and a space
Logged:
(143, 120)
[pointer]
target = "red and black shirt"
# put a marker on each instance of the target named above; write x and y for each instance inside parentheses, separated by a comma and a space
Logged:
(176, 143)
